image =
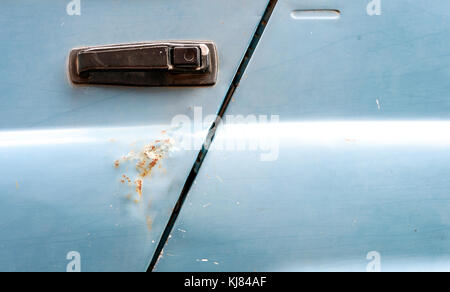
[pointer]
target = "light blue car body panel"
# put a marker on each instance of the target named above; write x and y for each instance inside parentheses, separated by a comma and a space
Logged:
(361, 181)
(60, 188)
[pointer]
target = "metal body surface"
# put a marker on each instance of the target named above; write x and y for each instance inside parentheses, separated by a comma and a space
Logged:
(333, 155)
(71, 185)
(354, 175)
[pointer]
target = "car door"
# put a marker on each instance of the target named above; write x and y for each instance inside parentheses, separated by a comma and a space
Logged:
(73, 193)
(344, 166)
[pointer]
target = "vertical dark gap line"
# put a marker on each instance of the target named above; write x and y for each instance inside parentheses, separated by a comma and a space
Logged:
(211, 133)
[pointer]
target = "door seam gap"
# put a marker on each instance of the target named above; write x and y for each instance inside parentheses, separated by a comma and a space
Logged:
(211, 133)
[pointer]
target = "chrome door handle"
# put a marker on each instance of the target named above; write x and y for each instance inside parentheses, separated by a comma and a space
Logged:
(182, 63)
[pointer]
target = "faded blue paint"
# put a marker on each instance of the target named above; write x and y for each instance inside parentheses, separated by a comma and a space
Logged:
(338, 190)
(59, 189)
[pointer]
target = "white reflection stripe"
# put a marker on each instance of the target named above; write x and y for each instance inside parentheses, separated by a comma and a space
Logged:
(370, 132)
(73, 136)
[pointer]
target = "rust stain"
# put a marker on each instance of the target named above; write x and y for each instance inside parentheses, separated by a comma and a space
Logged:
(149, 222)
(144, 163)
(150, 156)
(125, 179)
(138, 183)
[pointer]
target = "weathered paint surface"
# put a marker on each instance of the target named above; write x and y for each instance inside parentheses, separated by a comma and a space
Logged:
(361, 180)
(61, 146)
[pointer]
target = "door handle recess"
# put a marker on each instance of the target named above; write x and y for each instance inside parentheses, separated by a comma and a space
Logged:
(180, 63)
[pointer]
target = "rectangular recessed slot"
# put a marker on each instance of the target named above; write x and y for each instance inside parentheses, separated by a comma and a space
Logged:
(316, 14)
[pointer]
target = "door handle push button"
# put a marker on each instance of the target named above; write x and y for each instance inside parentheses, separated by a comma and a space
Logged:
(186, 56)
